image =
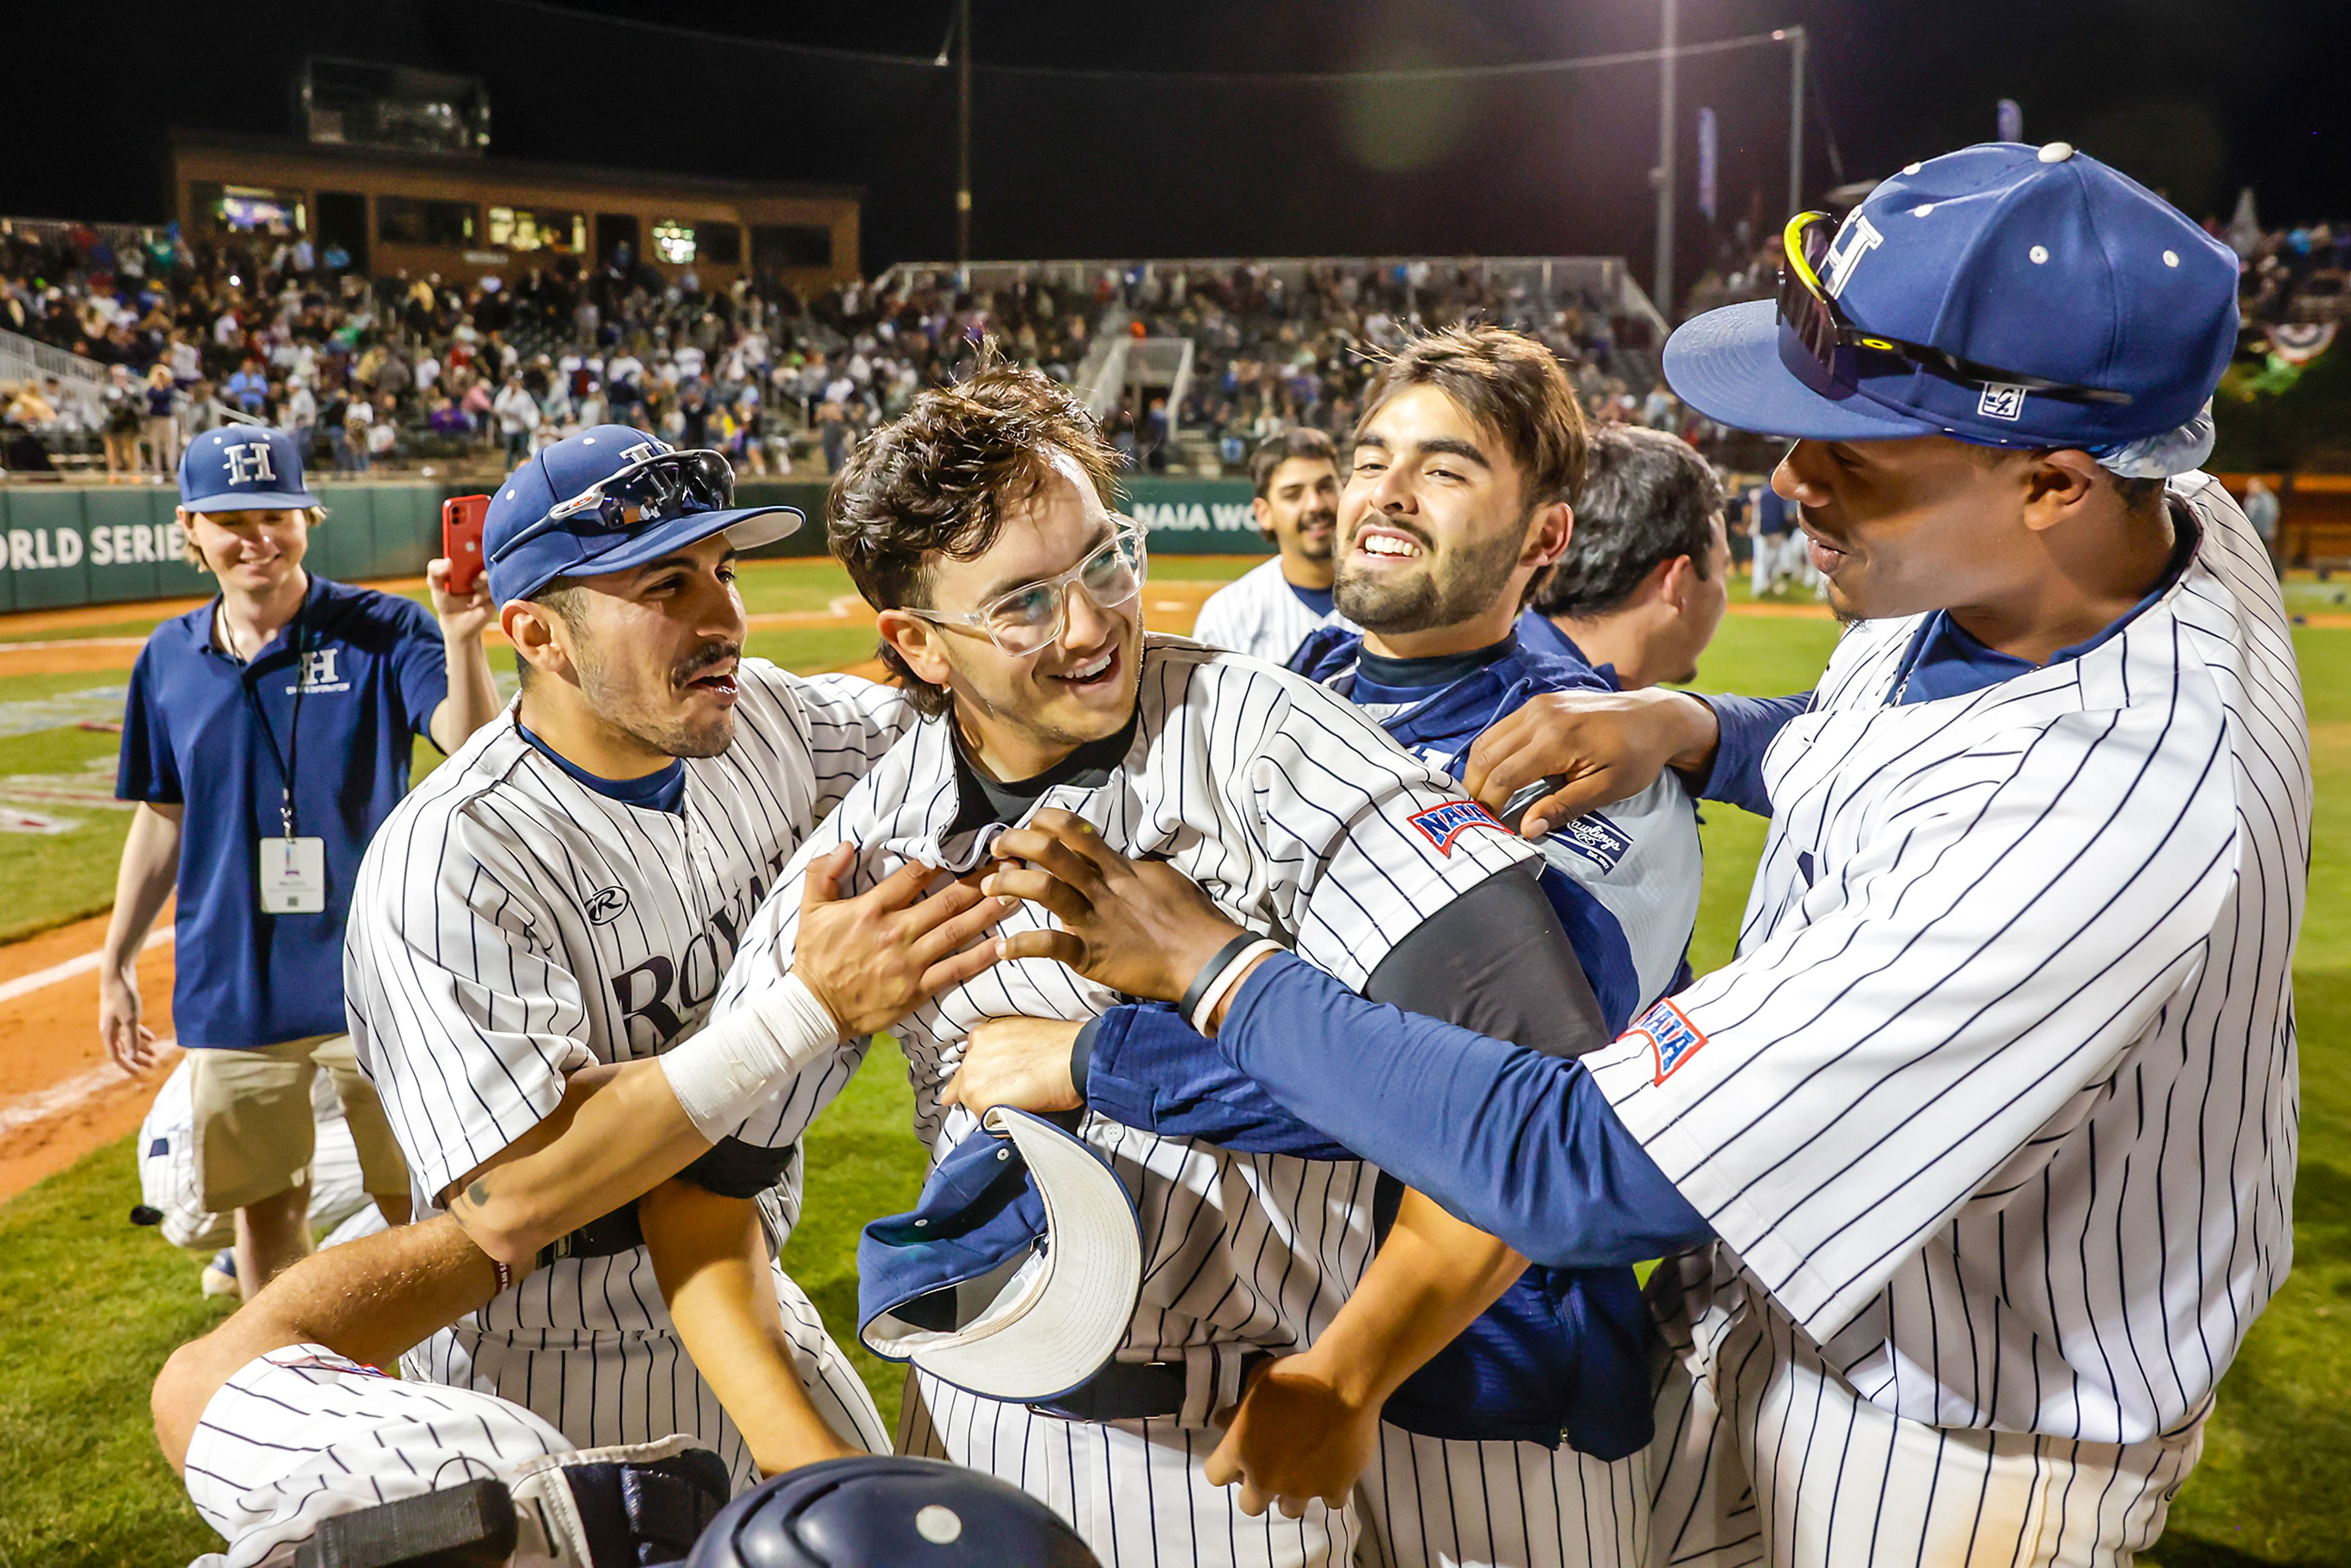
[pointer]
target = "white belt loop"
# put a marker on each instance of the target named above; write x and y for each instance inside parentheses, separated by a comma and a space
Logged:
(1206, 1372)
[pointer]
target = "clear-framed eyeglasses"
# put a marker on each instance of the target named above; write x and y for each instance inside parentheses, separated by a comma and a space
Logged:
(1027, 620)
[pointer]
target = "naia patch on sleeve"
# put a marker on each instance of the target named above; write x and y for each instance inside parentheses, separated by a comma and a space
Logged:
(1673, 1039)
(1441, 824)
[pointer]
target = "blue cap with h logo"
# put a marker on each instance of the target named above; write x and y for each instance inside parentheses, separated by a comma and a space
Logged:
(610, 498)
(243, 468)
(2002, 295)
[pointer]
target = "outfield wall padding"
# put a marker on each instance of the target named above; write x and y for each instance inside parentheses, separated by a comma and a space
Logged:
(91, 544)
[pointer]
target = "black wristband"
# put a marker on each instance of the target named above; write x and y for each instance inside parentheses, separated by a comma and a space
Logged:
(1210, 971)
(1082, 1058)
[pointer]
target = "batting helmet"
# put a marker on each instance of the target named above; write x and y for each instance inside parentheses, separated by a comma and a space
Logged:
(883, 1512)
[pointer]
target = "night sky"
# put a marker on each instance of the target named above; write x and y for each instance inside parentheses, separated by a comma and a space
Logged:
(2194, 97)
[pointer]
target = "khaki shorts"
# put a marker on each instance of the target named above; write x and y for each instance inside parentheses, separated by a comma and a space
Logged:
(253, 1127)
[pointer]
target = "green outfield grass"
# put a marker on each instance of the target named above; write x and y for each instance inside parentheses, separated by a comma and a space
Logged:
(97, 1305)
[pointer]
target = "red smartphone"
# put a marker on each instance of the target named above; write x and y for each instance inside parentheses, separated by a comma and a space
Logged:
(461, 539)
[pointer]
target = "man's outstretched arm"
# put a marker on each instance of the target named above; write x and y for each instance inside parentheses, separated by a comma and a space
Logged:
(861, 964)
(710, 1258)
(370, 1299)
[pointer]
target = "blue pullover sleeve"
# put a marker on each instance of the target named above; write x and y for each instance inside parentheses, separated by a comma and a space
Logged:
(1522, 1145)
(1496, 959)
(1749, 726)
(1146, 1068)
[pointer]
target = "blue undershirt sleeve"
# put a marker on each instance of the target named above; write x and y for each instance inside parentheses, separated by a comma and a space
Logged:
(1495, 959)
(1520, 1145)
(1749, 726)
(1146, 1067)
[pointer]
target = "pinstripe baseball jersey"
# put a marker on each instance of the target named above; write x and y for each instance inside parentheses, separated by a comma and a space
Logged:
(1998, 1102)
(514, 925)
(1258, 613)
(1301, 817)
(299, 1435)
(1625, 880)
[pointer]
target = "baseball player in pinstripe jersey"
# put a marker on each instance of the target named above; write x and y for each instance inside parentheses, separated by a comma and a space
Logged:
(567, 892)
(1521, 1442)
(464, 1478)
(1985, 1140)
(976, 523)
(1271, 608)
(533, 1002)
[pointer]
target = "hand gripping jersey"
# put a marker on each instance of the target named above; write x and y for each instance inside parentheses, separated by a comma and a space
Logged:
(1258, 613)
(1998, 1102)
(514, 925)
(1625, 880)
(1300, 818)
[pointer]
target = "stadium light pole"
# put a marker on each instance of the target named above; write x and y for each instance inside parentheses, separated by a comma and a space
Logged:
(1664, 174)
(963, 144)
(1796, 40)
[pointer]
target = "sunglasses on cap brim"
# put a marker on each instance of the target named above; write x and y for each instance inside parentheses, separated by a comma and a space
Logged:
(1841, 350)
(651, 490)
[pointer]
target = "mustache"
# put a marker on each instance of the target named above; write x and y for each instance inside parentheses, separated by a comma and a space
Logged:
(711, 653)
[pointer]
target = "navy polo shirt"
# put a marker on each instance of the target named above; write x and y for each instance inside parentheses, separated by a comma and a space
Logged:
(374, 670)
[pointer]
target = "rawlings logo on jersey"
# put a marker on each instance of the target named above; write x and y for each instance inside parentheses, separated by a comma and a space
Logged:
(1596, 838)
(607, 905)
(1672, 1037)
(1440, 825)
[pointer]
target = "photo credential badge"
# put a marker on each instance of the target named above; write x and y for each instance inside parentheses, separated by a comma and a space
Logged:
(293, 876)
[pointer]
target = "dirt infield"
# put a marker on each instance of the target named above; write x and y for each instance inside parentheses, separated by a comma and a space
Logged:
(61, 1096)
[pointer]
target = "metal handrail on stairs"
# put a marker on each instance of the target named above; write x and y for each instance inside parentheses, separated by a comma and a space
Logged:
(24, 358)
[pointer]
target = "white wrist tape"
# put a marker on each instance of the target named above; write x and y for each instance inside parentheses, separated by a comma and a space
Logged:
(723, 1074)
(1228, 977)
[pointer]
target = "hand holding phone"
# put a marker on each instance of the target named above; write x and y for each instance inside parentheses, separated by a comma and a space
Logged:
(461, 539)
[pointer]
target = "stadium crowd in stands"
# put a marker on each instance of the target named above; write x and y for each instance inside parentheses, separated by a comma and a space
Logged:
(1274, 356)
(414, 370)
(411, 369)
(406, 369)
(2301, 275)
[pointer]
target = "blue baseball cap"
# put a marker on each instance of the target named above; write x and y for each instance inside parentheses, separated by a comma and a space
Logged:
(2042, 262)
(1016, 1275)
(243, 468)
(525, 552)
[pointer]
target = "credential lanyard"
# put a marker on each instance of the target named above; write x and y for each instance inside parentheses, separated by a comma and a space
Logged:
(284, 761)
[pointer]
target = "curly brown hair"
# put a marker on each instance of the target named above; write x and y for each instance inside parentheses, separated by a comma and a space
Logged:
(938, 480)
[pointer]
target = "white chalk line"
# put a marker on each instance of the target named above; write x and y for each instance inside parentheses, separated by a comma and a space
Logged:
(27, 1110)
(59, 1098)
